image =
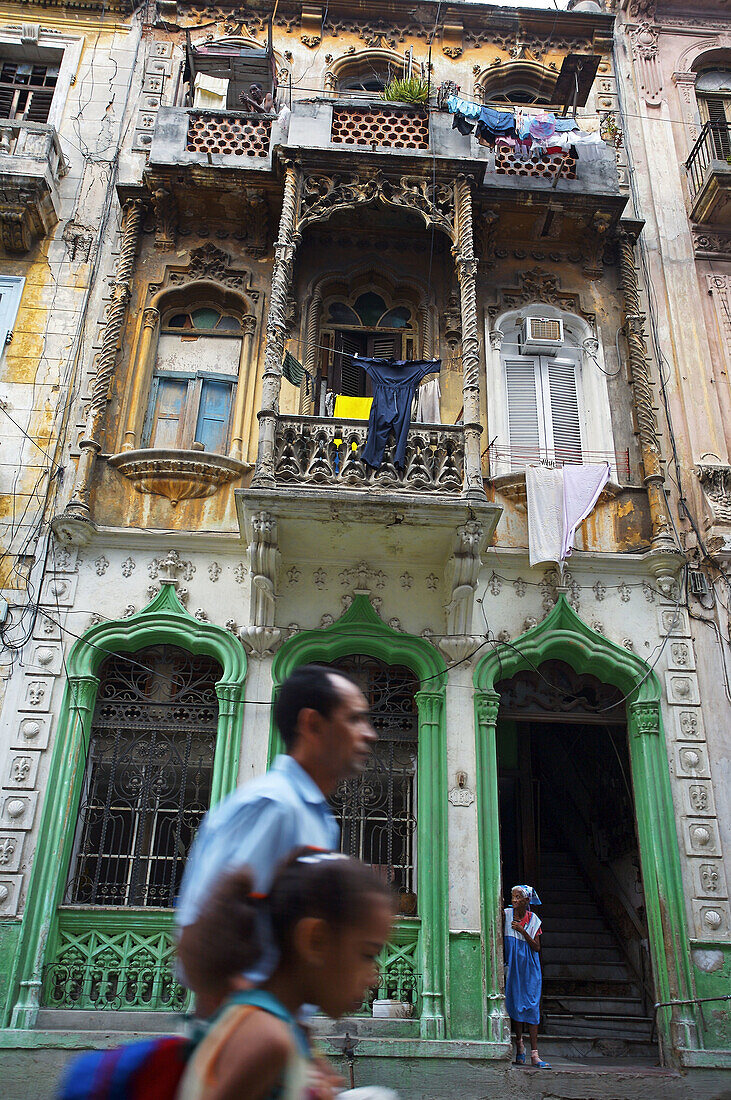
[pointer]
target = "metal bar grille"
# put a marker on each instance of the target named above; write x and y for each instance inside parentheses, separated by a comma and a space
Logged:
(377, 809)
(148, 777)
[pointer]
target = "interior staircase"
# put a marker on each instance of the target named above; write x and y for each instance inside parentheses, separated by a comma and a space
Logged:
(593, 1004)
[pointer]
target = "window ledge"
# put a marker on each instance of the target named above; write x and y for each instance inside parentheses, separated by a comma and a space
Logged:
(177, 475)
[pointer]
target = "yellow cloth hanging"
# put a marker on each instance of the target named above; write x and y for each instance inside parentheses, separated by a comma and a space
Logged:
(353, 408)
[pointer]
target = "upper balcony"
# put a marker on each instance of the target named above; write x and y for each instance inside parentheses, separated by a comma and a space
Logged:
(709, 176)
(31, 165)
(330, 131)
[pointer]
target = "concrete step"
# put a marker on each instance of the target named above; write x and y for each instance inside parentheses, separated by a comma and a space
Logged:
(560, 954)
(571, 987)
(365, 1027)
(595, 971)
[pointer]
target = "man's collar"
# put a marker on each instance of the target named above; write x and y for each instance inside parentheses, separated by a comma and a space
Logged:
(299, 778)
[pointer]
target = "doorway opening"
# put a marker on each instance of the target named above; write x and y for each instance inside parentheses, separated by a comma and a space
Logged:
(567, 827)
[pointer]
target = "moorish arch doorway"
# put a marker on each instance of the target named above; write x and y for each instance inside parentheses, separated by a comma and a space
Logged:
(567, 826)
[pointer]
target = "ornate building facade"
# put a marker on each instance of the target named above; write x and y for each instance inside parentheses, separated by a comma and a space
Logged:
(215, 525)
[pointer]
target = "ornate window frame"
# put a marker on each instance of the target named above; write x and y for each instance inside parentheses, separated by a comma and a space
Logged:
(594, 404)
(360, 631)
(163, 620)
(564, 636)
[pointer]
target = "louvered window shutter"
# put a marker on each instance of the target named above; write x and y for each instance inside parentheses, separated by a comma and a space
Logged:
(523, 418)
(717, 110)
(563, 407)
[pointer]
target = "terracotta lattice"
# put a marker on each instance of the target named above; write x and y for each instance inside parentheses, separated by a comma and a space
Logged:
(563, 166)
(228, 135)
(380, 126)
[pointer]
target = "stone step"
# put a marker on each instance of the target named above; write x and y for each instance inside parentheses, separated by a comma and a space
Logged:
(613, 1027)
(598, 938)
(572, 987)
(602, 1048)
(593, 972)
(79, 1019)
(613, 1006)
(365, 1027)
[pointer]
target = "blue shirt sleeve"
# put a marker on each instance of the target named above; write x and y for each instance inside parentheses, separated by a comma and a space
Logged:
(258, 834)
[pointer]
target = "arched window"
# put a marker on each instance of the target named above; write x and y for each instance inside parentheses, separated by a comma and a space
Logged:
(367, 76)
(520, 82)
(148, 776)
(367, 325)
(377, 809)
(713, 89)
(196, 371)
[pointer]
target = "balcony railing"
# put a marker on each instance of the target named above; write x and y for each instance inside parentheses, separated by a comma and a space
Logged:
(327, 453)
(228, 133)
(31, 164)
(709, 174)
(513, 459)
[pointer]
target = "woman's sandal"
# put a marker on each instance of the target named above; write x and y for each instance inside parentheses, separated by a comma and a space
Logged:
(520, 1058)
(540, 1065)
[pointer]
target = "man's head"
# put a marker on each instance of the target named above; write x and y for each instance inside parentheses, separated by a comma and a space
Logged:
(256, 92)
(324, 721)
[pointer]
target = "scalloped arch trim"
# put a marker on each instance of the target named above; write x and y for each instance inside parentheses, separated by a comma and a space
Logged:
(163, 620)
(361, 630)
(563, 635)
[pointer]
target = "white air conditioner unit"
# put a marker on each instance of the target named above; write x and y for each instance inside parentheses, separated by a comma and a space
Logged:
(541, 336)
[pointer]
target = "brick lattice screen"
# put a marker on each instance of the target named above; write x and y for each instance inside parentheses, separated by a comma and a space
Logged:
(380, 126)
(507, 164)
(229, 135)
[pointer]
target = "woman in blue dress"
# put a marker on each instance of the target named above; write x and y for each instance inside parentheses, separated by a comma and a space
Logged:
(523, 979)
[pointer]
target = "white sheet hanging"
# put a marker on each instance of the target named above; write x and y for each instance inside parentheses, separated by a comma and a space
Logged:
(210, 91)
(558, 501)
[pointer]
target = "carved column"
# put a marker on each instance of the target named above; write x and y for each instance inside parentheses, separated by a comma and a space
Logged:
(75, 524)
(140, 380)
(467, 275)
(634, 328)
(284, 252)
(243, 407)
(312, 351)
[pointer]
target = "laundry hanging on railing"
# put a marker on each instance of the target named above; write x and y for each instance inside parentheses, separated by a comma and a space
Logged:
(558, 500)
(394, 382)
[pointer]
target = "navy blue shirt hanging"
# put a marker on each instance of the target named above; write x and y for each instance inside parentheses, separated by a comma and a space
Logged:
(394, 382)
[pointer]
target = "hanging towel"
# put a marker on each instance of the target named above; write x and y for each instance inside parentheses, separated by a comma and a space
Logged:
(558, 501)
(565, 124)
(352, 408)
(210, 91)
(428, 410)
(588, 146)
(581, 488)
(543, 126)
(544, 491)
(292, 369)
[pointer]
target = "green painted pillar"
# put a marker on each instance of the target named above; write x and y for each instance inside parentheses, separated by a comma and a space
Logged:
(55, 836)
(228, 740)
(496, 1022)
(658, 841)
(432, 862)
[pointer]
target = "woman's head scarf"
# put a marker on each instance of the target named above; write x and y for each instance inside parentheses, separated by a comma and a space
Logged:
(529, 893)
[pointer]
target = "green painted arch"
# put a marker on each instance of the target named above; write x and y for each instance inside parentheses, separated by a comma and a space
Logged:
(564, 636)
(360, 630)
(163, 620)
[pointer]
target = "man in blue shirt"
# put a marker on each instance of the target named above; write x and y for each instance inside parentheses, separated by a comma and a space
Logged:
(323, 718)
